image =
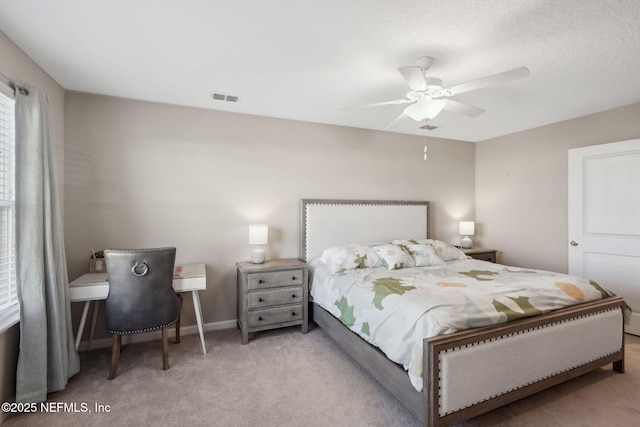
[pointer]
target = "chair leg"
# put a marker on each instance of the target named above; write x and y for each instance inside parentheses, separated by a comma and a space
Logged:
(178, 321)
(115, 356)
(165, 349)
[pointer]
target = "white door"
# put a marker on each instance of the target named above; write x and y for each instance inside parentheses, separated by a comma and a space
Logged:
(604, 219)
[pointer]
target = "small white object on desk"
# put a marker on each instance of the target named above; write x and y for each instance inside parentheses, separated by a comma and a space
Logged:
(94, 287)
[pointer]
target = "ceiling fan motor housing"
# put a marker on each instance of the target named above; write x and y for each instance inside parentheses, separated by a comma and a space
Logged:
(433, 90)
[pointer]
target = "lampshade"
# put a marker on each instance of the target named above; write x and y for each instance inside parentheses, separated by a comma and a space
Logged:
(425, 109)
(467, 228)
(258, 234)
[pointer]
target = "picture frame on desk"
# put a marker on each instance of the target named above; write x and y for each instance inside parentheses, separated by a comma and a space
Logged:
(97, 265)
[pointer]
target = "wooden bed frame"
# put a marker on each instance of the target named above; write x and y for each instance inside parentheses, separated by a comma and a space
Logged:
(470, 372)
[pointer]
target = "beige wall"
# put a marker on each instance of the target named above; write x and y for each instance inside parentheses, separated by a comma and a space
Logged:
(142, 174)
(521, 185)
(16, 65)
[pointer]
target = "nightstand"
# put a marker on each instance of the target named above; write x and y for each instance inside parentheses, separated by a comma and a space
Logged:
(272, 295)
(481, 254)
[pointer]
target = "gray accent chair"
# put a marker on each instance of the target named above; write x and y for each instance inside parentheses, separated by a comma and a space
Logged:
(141, 297)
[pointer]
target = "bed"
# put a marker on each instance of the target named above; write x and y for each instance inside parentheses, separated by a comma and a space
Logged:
(470, 372)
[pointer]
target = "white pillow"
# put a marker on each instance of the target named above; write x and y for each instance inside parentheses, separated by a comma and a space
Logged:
(424, 255)
(342, 258)
(446, 251)
(394, 257)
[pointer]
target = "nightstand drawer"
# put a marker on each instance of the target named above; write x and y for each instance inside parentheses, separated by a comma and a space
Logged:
(275, 315)
(288, 295)
(273, 279)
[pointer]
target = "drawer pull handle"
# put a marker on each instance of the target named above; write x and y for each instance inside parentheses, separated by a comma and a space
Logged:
(259, 299)
(293, 277)
(293, 314)
(293, 295)
(260, 281)
(260, 318)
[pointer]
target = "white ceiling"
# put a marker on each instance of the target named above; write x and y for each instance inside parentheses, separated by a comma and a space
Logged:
(306, 59)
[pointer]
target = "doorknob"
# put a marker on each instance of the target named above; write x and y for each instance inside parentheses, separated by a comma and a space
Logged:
(573, 243)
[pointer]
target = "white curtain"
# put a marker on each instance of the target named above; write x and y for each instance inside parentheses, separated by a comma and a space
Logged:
(47, 357)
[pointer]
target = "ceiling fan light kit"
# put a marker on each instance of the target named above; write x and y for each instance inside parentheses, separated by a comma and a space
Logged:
(428, 96)
(425, 109)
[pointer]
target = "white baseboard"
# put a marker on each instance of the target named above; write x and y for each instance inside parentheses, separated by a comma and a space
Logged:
(156, 335)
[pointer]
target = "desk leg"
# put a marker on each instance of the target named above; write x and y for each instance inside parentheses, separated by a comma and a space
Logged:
(94, 319)
(83, 319)
(198, 310)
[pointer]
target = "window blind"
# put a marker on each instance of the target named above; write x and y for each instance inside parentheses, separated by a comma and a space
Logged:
(8, 292)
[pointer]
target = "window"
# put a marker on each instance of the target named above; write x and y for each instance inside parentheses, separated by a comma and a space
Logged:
(8, 293)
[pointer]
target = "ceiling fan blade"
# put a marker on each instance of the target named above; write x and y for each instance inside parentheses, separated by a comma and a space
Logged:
(377, 104)
(494, 79)
(414, 77)
(462, 108)
(402, 118)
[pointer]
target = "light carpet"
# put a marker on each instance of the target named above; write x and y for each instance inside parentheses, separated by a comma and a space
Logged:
(285, 378)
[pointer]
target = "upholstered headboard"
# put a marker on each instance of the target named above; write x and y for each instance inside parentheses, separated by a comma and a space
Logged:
(326, 223)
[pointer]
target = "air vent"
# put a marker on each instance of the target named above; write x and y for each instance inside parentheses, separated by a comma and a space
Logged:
(428, 127)
(222, 97)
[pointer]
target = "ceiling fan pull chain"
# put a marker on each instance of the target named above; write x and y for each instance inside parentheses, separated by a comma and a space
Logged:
(425, 140)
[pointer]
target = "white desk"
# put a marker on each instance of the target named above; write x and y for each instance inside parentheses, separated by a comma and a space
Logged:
(94, 287)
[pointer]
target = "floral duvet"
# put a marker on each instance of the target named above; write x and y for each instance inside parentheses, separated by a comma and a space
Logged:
(396, 309)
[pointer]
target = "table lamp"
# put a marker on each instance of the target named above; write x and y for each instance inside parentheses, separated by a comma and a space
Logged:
(258, 235)
(467, 228)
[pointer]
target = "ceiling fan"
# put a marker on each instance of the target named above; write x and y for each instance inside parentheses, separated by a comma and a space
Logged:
(428, 96)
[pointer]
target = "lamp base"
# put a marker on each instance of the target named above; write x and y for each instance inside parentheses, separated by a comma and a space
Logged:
(466, 242)
(258, 255)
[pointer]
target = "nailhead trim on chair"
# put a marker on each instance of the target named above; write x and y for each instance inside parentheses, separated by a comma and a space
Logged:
(141, 250)
(137, 331)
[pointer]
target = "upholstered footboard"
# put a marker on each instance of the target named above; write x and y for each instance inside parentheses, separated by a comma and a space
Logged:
(475, 371)
(472, 372)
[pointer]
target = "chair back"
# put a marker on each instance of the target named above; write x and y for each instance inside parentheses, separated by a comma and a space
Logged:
(141, 296)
